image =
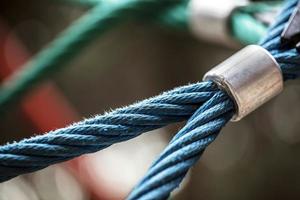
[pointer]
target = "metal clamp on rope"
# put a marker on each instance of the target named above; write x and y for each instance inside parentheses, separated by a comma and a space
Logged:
(251, 77)
(210, 19)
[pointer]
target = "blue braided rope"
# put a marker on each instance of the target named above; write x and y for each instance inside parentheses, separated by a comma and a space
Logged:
(102, 131)
(185, 149)
(288, 59)
(167, 172)
(209, 110)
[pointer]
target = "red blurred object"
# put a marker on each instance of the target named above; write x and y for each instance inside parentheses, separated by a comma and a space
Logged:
(45, 106)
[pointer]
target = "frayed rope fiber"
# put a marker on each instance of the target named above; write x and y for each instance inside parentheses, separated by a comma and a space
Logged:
(97, 133)
(206, 108)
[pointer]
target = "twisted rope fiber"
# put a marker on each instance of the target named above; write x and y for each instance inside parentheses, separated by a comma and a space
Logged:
(102, 131)
(58, 52)
(167, 172)
(215, 109)
(70, 42)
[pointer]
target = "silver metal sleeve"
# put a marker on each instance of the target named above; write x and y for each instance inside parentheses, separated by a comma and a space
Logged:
(251, 77)
(210, 19)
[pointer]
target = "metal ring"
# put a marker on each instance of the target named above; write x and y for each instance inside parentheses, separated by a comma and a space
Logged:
(251, 77)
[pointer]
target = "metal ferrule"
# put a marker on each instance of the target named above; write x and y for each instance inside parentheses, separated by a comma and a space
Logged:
(209, 19)
(251, 77)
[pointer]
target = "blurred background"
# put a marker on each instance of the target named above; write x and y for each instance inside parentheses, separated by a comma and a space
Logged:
(256, 158)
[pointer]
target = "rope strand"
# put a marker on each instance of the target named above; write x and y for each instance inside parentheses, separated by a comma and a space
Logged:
(102, 131)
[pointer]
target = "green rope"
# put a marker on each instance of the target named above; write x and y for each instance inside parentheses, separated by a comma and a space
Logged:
(242, 19)
(252, 30)
(245, 27)
(104, 15)
(175, 16)
(96, 22)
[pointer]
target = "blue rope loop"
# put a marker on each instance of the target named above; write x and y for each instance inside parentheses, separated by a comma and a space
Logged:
(167, 172)
(97, 133)
(204, 105)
